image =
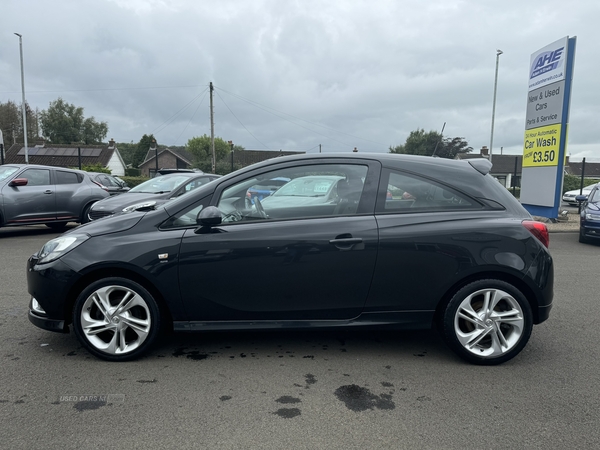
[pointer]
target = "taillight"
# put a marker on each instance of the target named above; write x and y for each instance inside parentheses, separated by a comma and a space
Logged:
(100, 184)
(539, 230)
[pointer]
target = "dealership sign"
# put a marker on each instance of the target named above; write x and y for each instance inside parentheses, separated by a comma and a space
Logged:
(544, 147)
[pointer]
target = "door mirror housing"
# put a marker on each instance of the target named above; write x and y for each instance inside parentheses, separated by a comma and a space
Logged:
(209, 217)
(18, 182)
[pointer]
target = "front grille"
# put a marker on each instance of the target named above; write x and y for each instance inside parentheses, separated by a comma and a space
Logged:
(99, 214)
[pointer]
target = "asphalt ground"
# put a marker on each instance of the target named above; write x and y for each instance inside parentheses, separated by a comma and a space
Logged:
(300, 390)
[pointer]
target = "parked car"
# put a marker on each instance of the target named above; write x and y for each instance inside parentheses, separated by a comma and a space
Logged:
(463, 255)
(151, 193)
(34, 194)
(168, 171)
(110, 184)
(265, 188)
(570, 196)
(589, 221)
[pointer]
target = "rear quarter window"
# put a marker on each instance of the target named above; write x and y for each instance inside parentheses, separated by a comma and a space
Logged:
(63, 177)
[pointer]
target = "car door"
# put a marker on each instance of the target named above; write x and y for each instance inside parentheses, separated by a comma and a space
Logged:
(72, 194)
(34, 202)
(299, 266)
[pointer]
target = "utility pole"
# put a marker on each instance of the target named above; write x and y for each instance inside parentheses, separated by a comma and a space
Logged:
(212, 130)
(23, 109)
(319, 148)
(231, 145)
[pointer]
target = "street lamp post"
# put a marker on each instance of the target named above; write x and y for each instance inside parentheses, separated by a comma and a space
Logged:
(498, 53)
(23, 101)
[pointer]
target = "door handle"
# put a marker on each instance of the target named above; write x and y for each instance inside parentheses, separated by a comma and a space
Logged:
(345, 244)
(346, 241)
(47, 191)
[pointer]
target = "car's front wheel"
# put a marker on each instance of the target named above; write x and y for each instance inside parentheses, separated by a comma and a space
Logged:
(487, 322)
(116, 319)
(582, 238)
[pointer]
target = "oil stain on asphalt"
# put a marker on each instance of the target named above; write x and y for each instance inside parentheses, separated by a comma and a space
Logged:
(360, 399)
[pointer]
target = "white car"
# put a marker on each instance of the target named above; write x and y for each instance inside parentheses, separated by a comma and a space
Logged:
(569, 196)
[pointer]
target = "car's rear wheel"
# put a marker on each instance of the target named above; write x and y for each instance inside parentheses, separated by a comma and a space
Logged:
(116, 319)
(487, 322)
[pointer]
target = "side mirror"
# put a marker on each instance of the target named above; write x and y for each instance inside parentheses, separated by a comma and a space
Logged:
(18, 182)
(581, 198)
(209, 217)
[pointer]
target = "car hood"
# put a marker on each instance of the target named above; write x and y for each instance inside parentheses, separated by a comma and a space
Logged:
(111, 224)
(116, 203)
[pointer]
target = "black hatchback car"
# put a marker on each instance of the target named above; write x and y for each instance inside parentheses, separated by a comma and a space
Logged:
(404, 242)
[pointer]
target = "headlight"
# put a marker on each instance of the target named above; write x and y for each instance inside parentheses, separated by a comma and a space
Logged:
(139, 206)
(56, 248)
(589, 216)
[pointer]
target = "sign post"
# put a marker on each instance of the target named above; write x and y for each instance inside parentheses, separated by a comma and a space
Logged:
(546, 126)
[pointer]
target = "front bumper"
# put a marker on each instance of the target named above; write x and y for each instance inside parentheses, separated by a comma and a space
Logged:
(45, 323)
(49, 285)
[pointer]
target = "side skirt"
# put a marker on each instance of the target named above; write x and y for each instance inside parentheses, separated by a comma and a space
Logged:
(401, 320)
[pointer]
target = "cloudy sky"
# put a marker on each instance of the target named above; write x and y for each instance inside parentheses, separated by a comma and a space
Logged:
(293, 74)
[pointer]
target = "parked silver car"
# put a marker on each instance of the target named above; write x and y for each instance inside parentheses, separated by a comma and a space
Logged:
(112, 185)
(34, 194)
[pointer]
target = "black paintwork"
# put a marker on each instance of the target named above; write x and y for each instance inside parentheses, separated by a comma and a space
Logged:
(373, 268)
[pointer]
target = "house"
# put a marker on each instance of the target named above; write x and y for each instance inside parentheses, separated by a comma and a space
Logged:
(591, 170)
(248, 157)
(167, 159)
(182, 159)
(505, 168)
(68, 155)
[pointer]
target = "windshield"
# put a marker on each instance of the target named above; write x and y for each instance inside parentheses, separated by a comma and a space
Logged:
(160, 185)
(7, 171)
(307, 187)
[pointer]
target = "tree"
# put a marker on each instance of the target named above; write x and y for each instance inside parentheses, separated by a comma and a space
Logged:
(11, 123)
(141, 150)
(201, 150)
(421, 143)
(64, 123)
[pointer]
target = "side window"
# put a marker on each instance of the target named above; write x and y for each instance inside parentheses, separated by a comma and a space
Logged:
(406, 193)
(108, 181)
(36, 177)
(63, 177)
(295, 193)
(187, 217)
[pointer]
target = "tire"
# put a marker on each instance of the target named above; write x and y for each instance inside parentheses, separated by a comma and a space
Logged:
(494, 333)
(113, 331)
(582, 237)
(84, 215)
(58, 226)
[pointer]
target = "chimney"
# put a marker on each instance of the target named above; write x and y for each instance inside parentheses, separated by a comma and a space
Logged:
(355, 150)
(40, 142)
(111, 143)
(484, 151)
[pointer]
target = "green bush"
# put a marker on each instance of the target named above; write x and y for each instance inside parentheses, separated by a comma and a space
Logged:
(131, 172)
(572, 182)
(515, 191)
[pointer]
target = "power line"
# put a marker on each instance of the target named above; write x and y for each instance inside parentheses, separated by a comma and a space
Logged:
(257, 140)
(267, 108)
(103, 89)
